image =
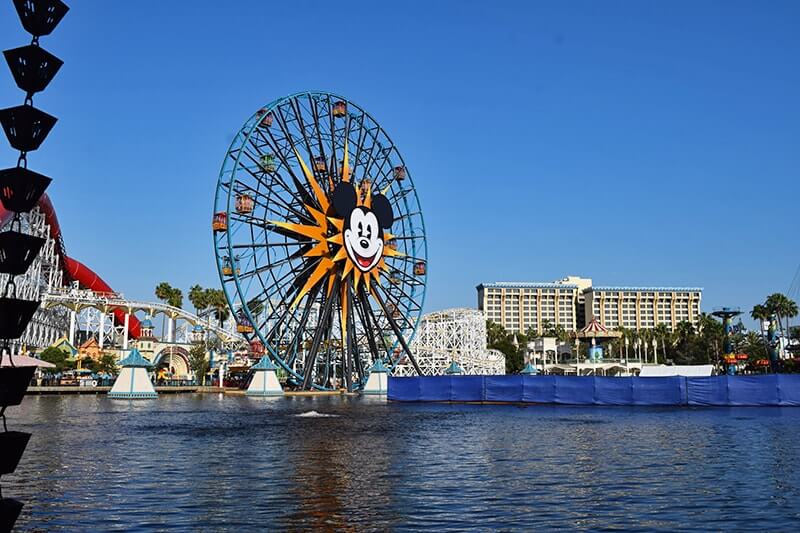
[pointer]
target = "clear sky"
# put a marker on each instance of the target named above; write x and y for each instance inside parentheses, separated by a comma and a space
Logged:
(638, 143)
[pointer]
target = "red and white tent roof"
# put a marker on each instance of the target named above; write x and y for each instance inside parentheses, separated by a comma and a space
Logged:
(596, 329)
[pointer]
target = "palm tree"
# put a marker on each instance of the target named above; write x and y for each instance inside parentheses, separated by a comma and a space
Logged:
(661, 333)
(163, 290)
(216, 300)
(762, 314)
(783, 307)
(198, 297)
(645, 337)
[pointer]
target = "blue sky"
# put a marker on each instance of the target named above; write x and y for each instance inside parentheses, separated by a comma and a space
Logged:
(638, 143)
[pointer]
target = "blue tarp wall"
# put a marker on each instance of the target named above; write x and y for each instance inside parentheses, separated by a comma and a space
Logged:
(773, 389)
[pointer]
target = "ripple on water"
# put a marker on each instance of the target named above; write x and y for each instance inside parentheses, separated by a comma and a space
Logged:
(216, 463)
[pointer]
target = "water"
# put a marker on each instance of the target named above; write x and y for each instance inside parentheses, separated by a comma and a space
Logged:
(217, 463)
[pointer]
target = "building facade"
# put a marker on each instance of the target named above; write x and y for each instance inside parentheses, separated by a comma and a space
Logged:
(523, 306)
(643, 307)
(573, 302)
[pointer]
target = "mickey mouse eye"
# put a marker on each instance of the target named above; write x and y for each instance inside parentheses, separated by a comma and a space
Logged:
(369, 232)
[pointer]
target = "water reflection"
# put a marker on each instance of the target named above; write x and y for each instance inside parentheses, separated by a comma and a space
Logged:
(217, 463)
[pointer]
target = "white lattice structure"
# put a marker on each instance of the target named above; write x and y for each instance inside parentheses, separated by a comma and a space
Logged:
(453, 335)
(67, 309)
(47, 325)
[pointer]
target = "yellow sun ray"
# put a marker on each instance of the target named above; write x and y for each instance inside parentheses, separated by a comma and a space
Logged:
(331, 281)
(318, 216)
(341, 254)
(336, 239)
(322, 268)
(321, 197)
(348, 266)
(338, 223)
(392, 253)
(318, 250)
(313, 232)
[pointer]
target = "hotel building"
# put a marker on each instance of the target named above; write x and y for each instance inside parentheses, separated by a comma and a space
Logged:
(573, 302)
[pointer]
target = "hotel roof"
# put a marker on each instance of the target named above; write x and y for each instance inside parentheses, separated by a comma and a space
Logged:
(645, 289)
(526, 285)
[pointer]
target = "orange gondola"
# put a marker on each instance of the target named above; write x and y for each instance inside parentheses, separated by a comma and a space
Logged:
(420, 268)
(220, 222)
(339, 109)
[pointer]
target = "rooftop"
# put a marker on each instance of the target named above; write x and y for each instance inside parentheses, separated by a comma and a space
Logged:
(644, 289)
(526, 285)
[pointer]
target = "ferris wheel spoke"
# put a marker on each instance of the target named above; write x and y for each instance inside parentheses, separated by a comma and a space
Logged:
(303, 131)
(301, 326)
(316, 116)
(397, 331)
(311, 357)
(371, 317)
(268, 267)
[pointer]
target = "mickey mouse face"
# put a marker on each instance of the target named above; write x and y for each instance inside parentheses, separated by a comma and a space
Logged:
(363, 227)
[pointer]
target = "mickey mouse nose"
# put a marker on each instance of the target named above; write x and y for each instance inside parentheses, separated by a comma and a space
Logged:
(364, 243)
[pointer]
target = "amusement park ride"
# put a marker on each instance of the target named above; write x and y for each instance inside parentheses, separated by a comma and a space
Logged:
(320, 241)
(321, 251)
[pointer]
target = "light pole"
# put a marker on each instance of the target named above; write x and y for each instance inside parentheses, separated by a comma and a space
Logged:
(655, 351)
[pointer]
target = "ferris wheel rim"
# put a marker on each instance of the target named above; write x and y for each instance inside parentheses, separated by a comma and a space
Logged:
(226, 179)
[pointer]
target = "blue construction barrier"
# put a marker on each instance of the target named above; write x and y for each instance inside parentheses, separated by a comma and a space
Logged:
(774, 390)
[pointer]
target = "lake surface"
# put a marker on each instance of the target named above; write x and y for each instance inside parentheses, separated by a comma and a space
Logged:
(217, 463)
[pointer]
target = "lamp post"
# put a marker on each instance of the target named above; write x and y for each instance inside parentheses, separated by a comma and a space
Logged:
(655, 351)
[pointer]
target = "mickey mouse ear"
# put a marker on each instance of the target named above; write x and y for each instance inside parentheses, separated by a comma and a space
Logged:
(383, 210)
(344, 198)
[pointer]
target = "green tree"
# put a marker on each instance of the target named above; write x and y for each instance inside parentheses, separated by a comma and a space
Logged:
(499, 339)
(169, 294)
(684, 342)
(198, 362)
(217, 301)
(495, 333)
(163, 290)
(662, 334)
(753, 345)
(783, 307)
(107, 364)
(176, 298)
(57, 357)
(198, 297)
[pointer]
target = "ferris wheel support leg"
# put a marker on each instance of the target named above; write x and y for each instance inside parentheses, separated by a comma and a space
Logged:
(311, 357)
(351, 334)
(373, 347)
(397, 332)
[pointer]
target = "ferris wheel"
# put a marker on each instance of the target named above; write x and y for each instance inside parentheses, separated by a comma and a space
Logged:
(320, 241)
